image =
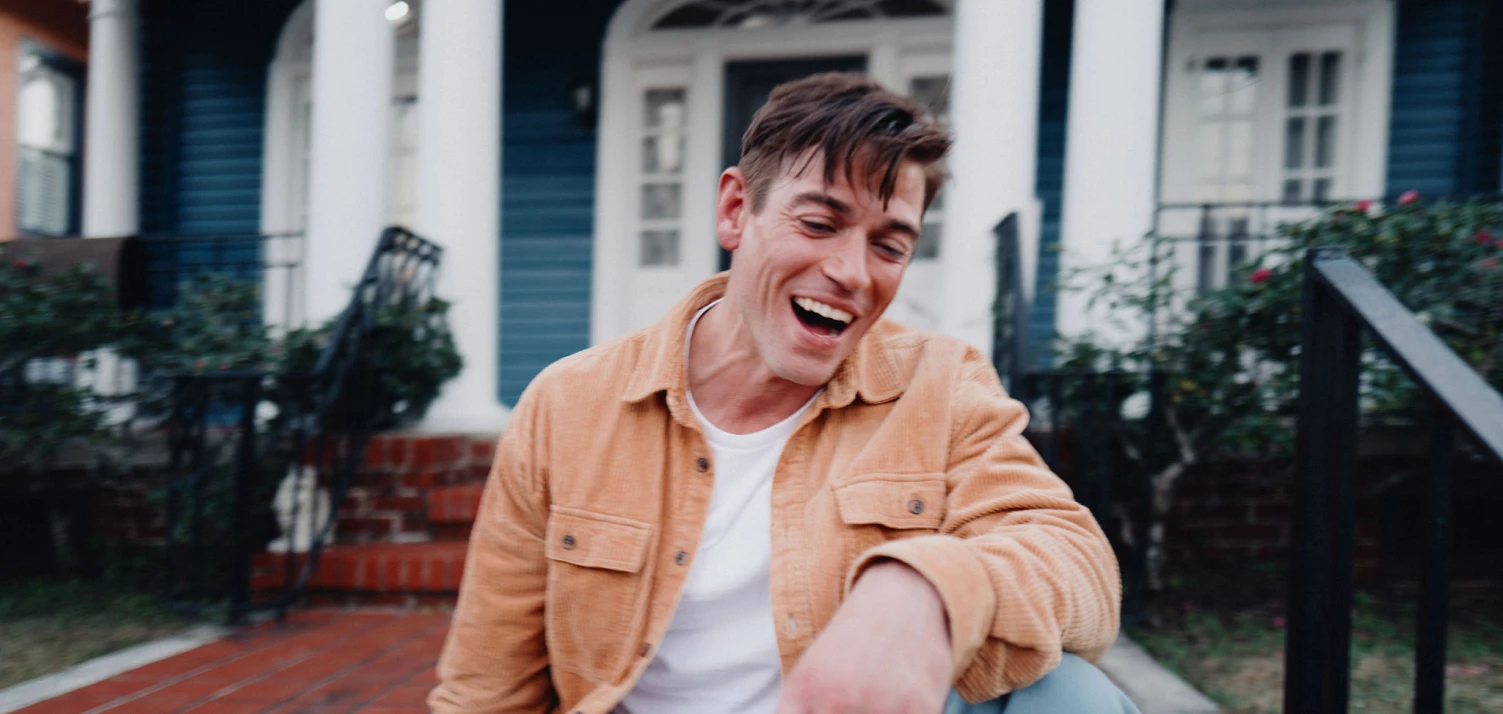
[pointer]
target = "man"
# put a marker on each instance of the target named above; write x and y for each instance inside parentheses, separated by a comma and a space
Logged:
(772, 501)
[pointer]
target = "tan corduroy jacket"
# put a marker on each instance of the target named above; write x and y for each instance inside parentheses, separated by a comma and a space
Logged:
(594, 508)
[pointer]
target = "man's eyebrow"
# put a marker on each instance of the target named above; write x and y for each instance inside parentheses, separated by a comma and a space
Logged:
(897, 226)
(829, 202)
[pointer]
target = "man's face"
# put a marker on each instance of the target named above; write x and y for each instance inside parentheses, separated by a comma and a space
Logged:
(817, 266)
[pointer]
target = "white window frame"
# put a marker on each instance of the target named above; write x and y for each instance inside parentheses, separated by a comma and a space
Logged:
(632, 51)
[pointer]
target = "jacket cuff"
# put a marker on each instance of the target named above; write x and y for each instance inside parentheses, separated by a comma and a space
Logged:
(957, 574)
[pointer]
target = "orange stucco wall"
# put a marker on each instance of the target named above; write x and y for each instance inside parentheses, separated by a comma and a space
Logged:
(60, 25)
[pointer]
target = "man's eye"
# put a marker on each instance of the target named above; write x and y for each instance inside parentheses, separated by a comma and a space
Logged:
(893, 251)
(817, 226)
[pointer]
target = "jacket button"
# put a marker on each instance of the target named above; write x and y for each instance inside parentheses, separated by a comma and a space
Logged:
(915, 506)
(681, 558)
(568, 542)
(701, 464)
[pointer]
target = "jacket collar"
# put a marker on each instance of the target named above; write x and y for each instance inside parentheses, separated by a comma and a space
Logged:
(868, 372)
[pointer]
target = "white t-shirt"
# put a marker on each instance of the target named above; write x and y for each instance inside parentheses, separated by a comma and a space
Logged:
(721, 650)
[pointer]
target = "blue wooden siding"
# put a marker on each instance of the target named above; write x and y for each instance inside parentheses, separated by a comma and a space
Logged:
(202, 111)
(548, 186)
(1445, 124)
(1054, 100)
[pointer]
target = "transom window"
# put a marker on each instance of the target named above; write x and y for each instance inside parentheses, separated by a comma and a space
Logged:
(755, 14)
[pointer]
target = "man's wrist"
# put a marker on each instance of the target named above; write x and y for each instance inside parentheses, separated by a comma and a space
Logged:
(903, 583)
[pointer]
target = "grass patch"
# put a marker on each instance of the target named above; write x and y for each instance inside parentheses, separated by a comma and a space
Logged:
(1234, 652)
(47, 626)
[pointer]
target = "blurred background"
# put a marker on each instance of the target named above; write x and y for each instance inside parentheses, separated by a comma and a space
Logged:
(274, 273)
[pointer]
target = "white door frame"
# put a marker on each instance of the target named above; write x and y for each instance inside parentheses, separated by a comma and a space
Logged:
(636, 57)
(284, 196)
(1372, 20)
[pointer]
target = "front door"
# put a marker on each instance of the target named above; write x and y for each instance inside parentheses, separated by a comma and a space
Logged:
(747, 87)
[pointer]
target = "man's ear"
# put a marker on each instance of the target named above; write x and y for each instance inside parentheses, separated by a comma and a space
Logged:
(731, 209)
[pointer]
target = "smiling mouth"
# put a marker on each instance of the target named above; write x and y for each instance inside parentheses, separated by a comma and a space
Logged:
(820, 318)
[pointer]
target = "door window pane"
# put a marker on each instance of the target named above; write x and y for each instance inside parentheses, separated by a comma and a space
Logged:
(663, 109)
(663, 154)
(1299, 78)
(660, 200)
(1330, 77)
(932, 94)
(1292, 191)
(1325, 141)
(1243, 95)
(1294, 143)
(1239, 148)
(1213, 81)
(659, 248)
(1322, 190)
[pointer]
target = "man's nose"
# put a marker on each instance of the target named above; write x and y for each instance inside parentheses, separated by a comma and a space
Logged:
(846, 265)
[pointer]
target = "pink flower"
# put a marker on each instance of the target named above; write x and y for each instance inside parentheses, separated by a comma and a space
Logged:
(1482, 238)
(1261, 275)
(1278, 621)
(19, 264)
(1408, 197)
(1363, 206)
(1489, 263)
(198, 365)
(1499, 244)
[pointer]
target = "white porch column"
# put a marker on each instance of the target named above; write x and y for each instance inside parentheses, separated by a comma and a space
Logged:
(352, 71)
(994, 93)
(110, 192)
(1111, 149)
(459, 196)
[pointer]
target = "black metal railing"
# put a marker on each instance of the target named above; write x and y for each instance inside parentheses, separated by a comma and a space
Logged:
(1341, 302)
(1076, 423)
(1213, 239)
(273, 261)
(235, 438)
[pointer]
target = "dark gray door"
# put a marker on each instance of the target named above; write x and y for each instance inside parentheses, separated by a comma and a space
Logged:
(747, 86)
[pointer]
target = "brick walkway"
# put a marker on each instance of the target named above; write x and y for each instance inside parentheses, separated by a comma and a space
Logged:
(322, 662)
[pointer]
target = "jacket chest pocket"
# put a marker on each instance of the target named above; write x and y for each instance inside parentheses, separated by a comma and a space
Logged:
(909, 504)
(595, 575)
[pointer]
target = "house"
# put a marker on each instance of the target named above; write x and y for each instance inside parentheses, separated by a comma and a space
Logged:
(565, 153)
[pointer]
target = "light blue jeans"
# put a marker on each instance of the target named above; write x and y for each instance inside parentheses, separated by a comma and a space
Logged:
(1074, 687)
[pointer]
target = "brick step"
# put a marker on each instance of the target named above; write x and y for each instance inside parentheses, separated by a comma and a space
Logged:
(430, 571)
(415, 488)
(452, 510)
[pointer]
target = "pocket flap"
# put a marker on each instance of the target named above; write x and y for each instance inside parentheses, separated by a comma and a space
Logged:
(893, 501)
(595, 540)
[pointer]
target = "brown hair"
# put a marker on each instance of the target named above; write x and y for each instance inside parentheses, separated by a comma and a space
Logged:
(841, 115)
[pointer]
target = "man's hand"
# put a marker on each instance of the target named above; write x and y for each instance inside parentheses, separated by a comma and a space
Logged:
(886, 651)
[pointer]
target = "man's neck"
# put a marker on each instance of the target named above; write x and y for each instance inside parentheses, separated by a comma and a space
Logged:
(732, 386)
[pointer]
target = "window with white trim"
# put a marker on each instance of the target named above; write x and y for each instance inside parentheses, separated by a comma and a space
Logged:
(660, 181)
(932, 94)
(47, 143)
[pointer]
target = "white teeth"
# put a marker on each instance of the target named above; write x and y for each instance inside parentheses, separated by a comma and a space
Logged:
(819, 308)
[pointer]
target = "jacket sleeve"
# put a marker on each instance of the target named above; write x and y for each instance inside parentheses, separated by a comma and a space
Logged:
(1024, 571)
(496, 658)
